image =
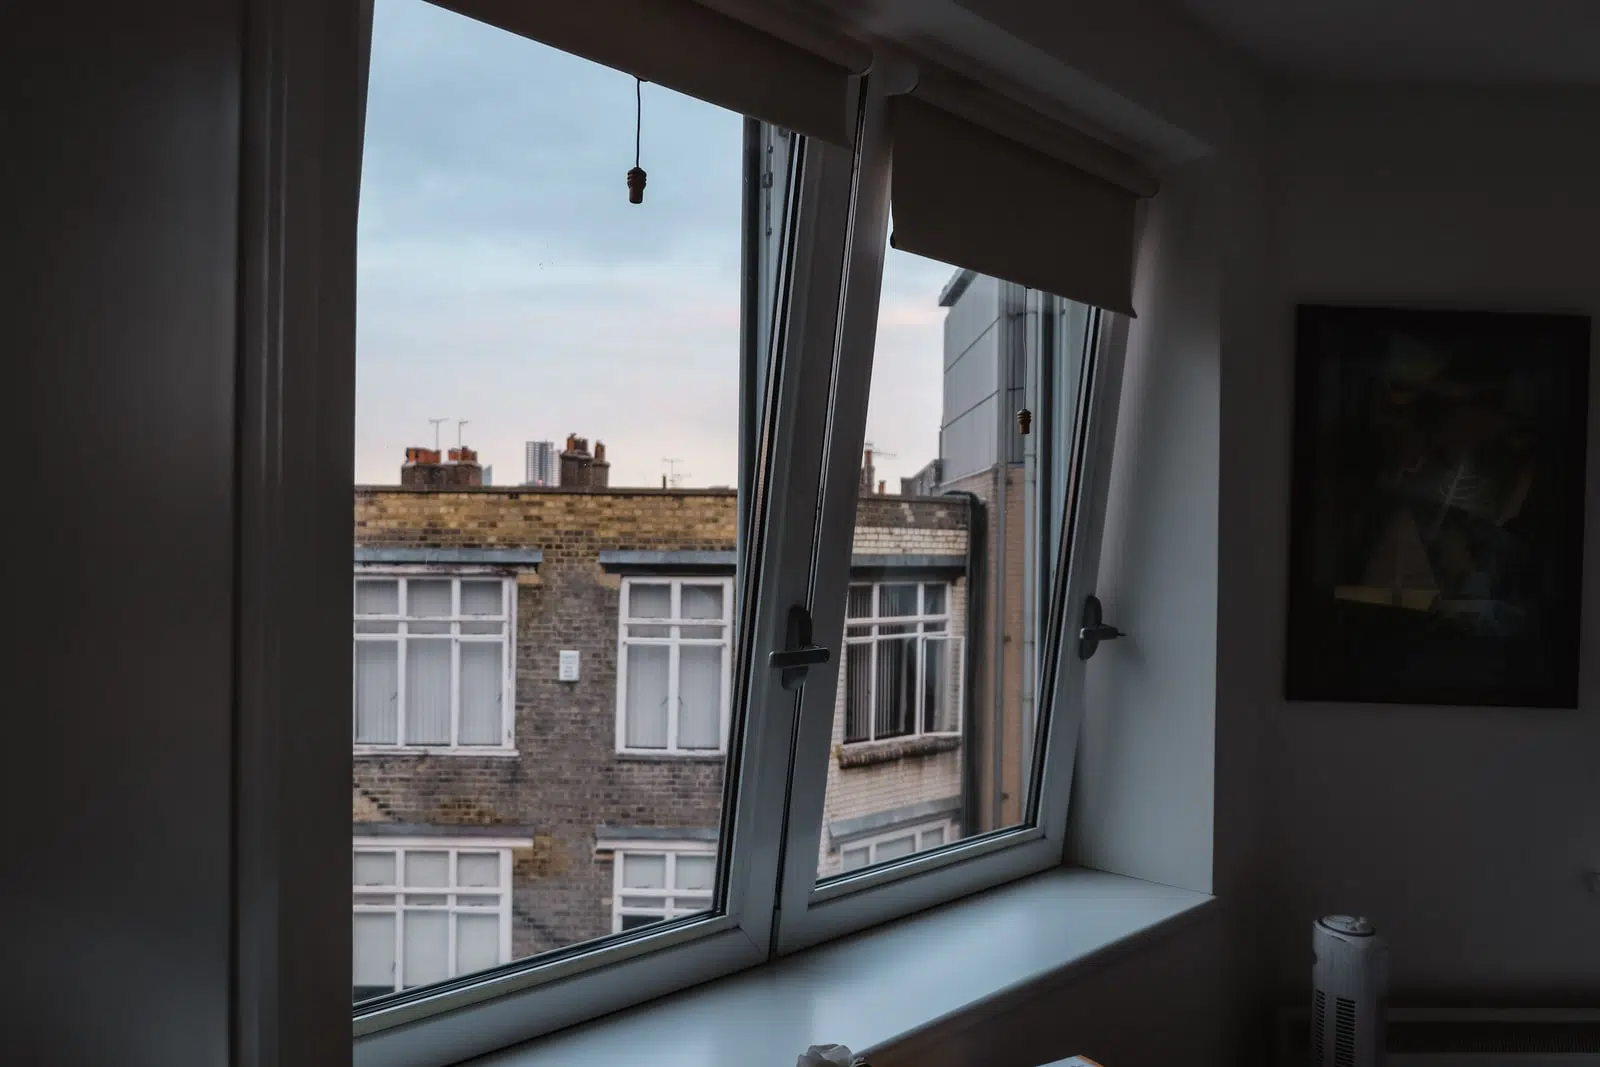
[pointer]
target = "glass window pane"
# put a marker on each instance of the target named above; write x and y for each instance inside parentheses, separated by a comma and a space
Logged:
(481, 598)
(427, 947)
(649, 601)
(377, 597)
(477, 942)
(649, 669)
(956, 358)
(427, 692)
(574, 340)
(428, 597)
(649, 631)
(633, 922)
(427, 869)
(894, 688)
(701, 601)
(377, 692)
(696, 872)
(374, 868)
(701, 633)
(478, 869)
(700, 669)
(482, 692)
(897, 599)
(644, 871)
(373, 952)
(895, 848)
(857, 692)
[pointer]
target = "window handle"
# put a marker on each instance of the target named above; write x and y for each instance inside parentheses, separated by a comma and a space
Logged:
(799, 654)
(1095, 629)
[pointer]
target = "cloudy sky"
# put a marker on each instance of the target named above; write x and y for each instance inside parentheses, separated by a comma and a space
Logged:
(505, 279)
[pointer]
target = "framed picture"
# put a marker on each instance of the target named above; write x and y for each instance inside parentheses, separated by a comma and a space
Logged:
(1436, 533)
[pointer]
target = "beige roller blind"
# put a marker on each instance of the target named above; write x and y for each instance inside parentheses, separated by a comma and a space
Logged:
(975, 198)
(696, 50)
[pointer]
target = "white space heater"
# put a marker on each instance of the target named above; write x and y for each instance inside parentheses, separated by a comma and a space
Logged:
(1348, 983)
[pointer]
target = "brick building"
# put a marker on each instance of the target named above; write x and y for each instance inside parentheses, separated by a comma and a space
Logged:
(541, 702)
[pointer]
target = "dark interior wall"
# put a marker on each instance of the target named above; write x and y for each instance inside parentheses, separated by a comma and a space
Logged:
(119, 178)
(1464, 832)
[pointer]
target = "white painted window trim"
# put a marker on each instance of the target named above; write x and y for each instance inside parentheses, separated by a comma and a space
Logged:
(913, 830)
(506, 639)
(671, 896)
(920, 639)
(676, 644)
(398, 847)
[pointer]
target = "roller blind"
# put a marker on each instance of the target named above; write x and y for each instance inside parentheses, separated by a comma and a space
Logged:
(973, 197)
(699, 51)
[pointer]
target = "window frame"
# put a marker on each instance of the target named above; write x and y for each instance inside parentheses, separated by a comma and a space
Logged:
(403, 575)
(919, 638)
(871, 842)
(675, 643)
(399, 847)
(671, 850)
(305, 92)
(777, 513)
(812, 909)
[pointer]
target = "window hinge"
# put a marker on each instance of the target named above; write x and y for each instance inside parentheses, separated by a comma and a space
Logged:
(799, 654)
(1094, 629)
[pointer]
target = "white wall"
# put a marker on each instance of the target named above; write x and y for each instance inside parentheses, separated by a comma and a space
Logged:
(1142, 794)
(1463, 832)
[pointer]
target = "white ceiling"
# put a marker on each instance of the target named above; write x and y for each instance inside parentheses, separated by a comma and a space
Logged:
(1498, 42)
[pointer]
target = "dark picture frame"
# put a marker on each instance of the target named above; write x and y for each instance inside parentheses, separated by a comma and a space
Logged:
(1437, 507)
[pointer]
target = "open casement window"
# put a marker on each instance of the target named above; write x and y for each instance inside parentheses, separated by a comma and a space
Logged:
(698, 780)
(934, 757)
(610, 315)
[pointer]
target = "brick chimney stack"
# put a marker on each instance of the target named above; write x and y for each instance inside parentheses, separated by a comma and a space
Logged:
(576, 463)
(600, 469)
(422, 469)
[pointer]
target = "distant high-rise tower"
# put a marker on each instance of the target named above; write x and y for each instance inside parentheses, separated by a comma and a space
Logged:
(544, 464)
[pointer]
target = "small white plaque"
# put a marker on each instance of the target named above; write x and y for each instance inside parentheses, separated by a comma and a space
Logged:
(569, 665)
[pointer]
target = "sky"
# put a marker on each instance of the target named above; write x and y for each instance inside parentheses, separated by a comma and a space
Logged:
(504, 279)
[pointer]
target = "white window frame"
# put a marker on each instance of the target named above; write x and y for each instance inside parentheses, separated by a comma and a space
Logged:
(675, 643)
(506, 746)
(306, 69)
(673, 900)
(919, 638)
(399, 847)
(916, 831)
(773, 573)
(812, 909)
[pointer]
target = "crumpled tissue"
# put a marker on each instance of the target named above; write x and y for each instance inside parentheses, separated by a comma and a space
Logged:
(826, 1056)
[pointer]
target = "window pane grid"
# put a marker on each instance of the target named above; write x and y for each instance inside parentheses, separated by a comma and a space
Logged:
(426, 635)
(427, 908)
(673, 898)
(902, 668)
(673, 653)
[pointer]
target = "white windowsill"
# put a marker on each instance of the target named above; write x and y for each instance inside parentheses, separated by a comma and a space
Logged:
(426, 750)
(879, 987)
